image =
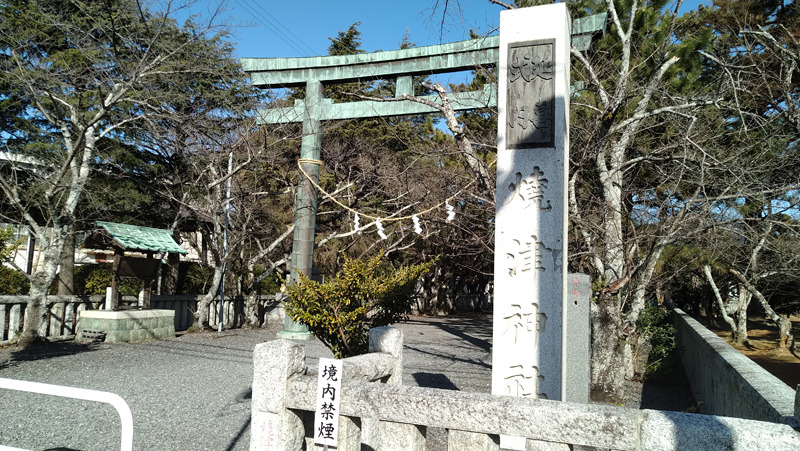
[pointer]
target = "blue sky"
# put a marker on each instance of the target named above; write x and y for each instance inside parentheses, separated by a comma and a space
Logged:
(270, 28)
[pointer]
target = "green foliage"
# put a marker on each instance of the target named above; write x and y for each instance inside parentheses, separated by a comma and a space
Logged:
(94, 279)
(364, 294)
(194, 278)
(654, 323)
(271, 284)
(13, 282)
(7, 246)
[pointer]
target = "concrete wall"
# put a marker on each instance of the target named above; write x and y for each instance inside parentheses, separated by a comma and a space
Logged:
(725, 382)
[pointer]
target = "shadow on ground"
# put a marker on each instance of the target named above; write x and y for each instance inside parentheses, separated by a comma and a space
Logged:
(674, 395)
(15, 354)
(474, 328)
(434, 380)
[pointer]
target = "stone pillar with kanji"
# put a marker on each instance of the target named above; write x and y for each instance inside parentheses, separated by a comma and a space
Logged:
(531, 203)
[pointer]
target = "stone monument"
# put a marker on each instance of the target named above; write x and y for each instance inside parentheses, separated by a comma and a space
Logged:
(531, 204)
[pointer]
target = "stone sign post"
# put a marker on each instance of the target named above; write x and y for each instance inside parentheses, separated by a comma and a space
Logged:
(531, 211)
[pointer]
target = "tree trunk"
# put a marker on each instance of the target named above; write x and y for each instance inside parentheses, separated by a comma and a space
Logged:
(720, 304)
(251, 316)
(609, 356)
(34, 316)
(201, 314)
(784, 329)
(427, 293)
(740, 337)
(35, 327)
(444, 292)
(785, 337)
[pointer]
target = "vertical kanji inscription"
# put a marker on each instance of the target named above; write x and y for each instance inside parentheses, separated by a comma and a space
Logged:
(531, 95)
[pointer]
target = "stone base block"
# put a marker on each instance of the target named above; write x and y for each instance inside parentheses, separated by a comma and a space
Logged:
(128, 325)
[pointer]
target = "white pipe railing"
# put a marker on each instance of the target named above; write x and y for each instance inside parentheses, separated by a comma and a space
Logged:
(125, 417)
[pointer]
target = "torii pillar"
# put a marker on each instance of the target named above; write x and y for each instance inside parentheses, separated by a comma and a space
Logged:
(305, 218)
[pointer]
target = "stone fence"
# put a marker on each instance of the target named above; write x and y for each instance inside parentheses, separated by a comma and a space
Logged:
(63, 312)
(378, 413)
(726, 382)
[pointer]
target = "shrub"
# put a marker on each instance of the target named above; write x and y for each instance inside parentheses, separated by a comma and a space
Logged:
(93, 280)
(13, 282)
(363, 294)
(655, 325)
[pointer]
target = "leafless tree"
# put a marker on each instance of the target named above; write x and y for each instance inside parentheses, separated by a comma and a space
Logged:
(91, 73)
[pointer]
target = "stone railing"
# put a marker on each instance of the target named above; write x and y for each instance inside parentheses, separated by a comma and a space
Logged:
(386, 415)
(726, 382)
(61, 319)
(63, 312)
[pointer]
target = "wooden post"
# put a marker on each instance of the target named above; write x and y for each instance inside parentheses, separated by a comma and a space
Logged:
(30, 252)
(118, 254)
(144, 295)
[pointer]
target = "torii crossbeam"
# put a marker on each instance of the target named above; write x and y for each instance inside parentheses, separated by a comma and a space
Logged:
(401, 65)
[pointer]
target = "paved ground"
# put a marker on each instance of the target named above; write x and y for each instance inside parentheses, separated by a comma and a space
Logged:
(193, 392)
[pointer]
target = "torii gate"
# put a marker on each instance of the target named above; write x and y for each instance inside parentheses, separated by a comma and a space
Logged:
(314, 72)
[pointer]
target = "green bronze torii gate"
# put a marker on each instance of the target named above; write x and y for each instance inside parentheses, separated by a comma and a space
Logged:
(312, 73)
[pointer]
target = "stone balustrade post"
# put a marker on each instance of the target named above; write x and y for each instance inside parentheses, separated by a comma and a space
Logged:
(353, 432)
(382, 434)
(144, 298)
(17, 311)
(390, 341)
(274, 427)
(109, 300)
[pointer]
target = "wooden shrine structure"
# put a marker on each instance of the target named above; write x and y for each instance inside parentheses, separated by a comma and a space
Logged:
(131, 239)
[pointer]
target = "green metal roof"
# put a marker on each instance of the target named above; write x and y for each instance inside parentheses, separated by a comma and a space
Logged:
(131, 237)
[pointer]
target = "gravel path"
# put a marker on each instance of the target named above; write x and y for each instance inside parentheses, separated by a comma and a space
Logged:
(193, 392)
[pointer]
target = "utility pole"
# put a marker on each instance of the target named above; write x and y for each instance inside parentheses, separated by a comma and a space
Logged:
(225, 244)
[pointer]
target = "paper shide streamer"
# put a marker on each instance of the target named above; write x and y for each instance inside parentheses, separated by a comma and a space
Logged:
(379, 226)
(451, 213)
(417, 227)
